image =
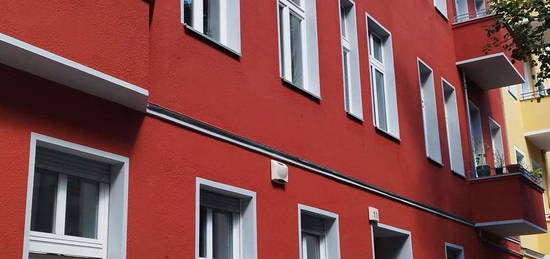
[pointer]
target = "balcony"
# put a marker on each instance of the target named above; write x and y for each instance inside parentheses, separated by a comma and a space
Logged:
(491, 71)
(508, 204)
(471, 16)
(34, 60)
(535, 107)
(486, 69)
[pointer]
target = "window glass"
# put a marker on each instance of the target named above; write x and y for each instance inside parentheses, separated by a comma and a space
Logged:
(343, 21)
(297, 2)
(345, 55)
(223, 234)
(82, 207)
(43, 200)
(188, 12)
(380, 99)
(281, 38)
(296, 49)
(311, 245)
(377, 48)
(211, 9)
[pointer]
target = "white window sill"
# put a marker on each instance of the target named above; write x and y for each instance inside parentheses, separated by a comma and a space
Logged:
(40, 242)
(387, 134)
(212, 41)
(301, 90)
(354, 117)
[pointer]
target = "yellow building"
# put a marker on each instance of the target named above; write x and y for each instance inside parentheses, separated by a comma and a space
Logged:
(527, 118)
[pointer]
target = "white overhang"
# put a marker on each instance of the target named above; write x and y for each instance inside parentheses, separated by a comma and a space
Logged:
(34, 60)
(508, 228)
(491, 71)
(541, 138)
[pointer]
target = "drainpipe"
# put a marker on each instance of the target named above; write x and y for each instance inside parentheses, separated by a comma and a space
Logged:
(467, 102)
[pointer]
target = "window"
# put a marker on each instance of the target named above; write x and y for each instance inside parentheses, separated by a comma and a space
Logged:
(226, 225)
(477, 135)
(391, 242)
(496, 140)
(318, 234)
(453, 128)
(526, 86)
(453, 251)
(441, 7)
(520, 158)
(299, 61)
(350, 60)
(513, 91)
(429, 112)
(77, 201)
(218, 20)
(461, 10)
(480, 8)
(382, 78)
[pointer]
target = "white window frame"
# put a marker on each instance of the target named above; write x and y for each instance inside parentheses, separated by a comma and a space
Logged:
(230, 23)
(330, 241)
(482, 147)
(112, 215)
(498, 142)
(244, 226)
(441, 7)
(481, 12)
(454, 143)
(432, 142)
(462, 16)
(310, 56)
(388, 70)
(513, 91)
(351, 71)
(454, 247)
(394, 229)
(520, 151)
(527, 85)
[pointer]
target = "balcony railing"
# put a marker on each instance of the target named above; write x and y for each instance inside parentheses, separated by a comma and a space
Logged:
(472, 15)
(511, 169)
(540, 93)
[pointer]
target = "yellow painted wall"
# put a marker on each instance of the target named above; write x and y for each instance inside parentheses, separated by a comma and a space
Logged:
(520, 117)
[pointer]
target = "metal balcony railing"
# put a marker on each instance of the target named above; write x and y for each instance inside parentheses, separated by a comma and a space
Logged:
(540, 93)
(504, 171)
(459, 18)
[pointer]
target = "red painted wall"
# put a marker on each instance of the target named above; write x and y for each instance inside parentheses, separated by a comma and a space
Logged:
(164, 161)
(110, 36)
(246, 96)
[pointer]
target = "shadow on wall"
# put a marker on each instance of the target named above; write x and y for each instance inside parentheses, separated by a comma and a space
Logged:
(31, 103)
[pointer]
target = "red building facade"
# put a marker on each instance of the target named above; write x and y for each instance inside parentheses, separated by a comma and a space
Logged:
(180, 107)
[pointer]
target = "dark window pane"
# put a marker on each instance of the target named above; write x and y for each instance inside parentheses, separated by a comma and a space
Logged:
(377, 48)
(43, 200)
(211, 20)
(188, 12)
(312, 246)
(202, 232)
(82, 206)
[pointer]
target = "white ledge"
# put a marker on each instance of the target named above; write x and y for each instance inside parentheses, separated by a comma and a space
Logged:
(491, 71)
(34, 60)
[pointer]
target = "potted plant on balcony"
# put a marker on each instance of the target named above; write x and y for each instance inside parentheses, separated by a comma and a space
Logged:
(482, 169)
(499, 163)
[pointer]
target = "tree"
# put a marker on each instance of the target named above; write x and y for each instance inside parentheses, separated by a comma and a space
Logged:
(526, 25)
